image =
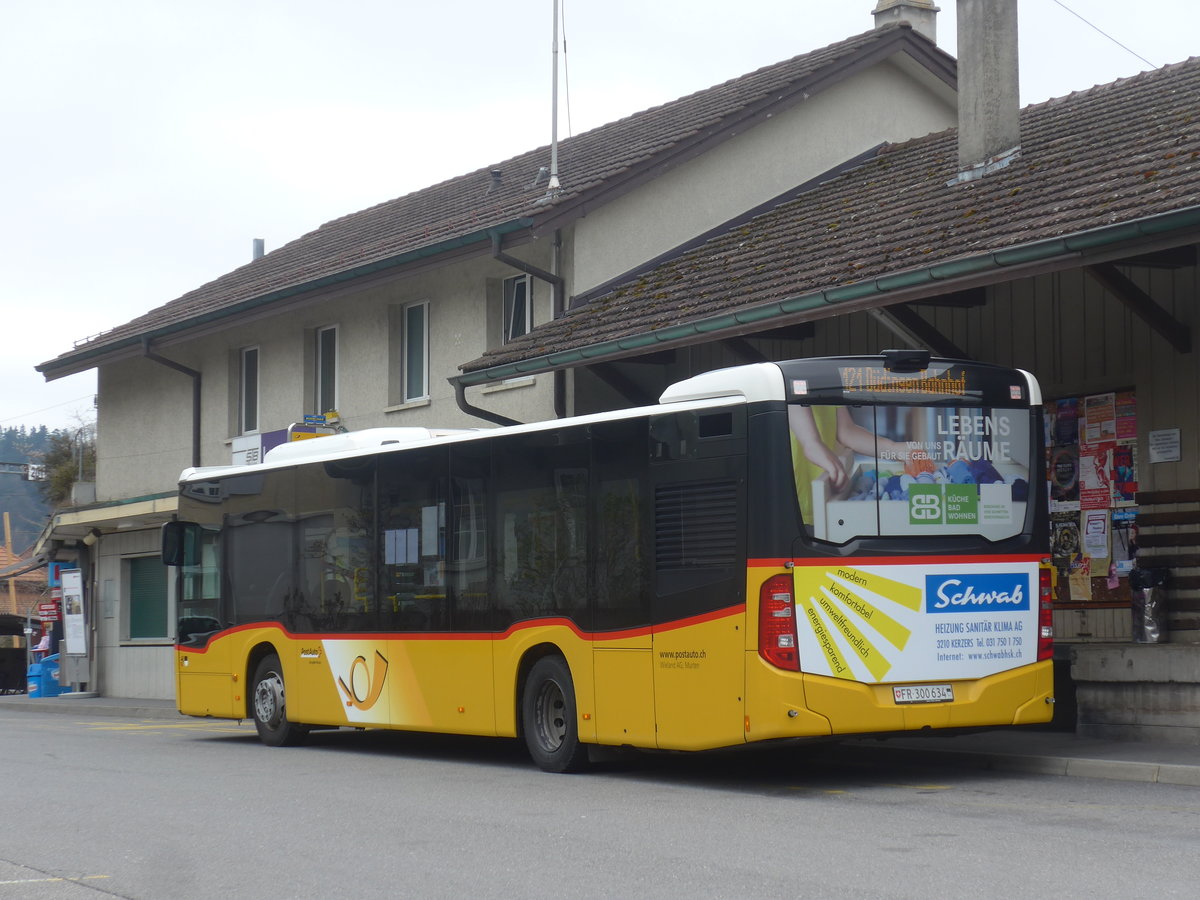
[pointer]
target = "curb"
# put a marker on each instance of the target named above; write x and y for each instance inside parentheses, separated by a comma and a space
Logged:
(63, 705)
(1034, 764)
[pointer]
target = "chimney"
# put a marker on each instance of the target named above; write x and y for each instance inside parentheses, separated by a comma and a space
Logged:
(260, 248)
(989, 104)
(920, 14)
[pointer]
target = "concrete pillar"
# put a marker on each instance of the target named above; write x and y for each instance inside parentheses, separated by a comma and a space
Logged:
(921, 14)
(988, 80)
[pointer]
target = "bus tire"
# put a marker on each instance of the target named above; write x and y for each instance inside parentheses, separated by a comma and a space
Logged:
(270, 710)
(548, 717)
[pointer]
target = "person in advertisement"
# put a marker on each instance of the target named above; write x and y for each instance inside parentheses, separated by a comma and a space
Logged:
(819, 431)
(961, 467)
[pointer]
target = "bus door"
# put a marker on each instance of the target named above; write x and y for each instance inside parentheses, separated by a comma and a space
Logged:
(698, 481)
(621, 638)
(434, 593)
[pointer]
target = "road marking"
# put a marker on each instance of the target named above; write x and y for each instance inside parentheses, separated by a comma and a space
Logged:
(48, 880)
(161, 726)
(800, 789)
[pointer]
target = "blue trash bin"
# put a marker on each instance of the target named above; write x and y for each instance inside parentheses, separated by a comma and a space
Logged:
(42, 678)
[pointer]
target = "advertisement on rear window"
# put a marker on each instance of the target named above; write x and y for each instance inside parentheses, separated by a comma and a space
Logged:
(910, 470)
(893, 623)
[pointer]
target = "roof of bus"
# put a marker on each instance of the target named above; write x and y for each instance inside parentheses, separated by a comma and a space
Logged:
(725, 387)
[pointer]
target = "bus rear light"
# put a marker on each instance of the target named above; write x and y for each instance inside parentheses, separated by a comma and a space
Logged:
(777, 623)
(1045, 613)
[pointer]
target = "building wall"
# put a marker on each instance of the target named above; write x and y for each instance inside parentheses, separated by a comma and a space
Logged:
(145, 410)
(877, 105)
(128, 668)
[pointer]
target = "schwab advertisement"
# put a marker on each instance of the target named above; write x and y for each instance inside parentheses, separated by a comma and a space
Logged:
(898, 622)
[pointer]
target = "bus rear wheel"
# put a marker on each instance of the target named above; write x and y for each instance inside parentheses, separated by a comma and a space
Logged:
(548, 717)
(270, 708)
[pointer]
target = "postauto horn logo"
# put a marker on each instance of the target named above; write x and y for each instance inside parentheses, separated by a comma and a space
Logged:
(364, 687)
(967, 593)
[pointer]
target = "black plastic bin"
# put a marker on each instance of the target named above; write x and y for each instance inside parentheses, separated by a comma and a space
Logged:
(1149, 605)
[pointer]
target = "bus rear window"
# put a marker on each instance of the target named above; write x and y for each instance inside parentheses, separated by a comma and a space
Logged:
(885, 470)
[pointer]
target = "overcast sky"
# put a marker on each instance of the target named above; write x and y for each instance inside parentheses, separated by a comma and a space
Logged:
(148, 142)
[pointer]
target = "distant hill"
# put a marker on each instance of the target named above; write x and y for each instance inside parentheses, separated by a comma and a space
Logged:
(27, 513)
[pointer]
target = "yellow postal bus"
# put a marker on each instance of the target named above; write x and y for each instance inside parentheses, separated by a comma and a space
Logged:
(777, 551)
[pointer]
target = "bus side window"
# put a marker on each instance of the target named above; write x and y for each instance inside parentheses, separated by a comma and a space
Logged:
(620, 564)
(412, 524)
(472, 606)
(334, 522)
(541, 503)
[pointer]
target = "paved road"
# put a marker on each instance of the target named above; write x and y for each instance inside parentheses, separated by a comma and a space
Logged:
(186, 808)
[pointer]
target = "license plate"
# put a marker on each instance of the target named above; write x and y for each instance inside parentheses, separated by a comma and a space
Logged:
(923, 693)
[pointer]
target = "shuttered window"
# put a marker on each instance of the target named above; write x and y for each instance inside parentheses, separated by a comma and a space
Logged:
(147, 598)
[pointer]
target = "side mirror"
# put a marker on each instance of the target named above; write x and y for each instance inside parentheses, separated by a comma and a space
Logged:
(180, 544)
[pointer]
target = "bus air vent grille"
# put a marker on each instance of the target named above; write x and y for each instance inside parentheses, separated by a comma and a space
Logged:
(696, 524)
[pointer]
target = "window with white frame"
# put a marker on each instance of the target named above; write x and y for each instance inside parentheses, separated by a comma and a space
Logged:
(248, 391)
(416, 352)
(326, 369)
(518, 303)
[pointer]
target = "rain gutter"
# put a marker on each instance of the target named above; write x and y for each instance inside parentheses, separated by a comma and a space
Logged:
(939, 273)
(196, 392)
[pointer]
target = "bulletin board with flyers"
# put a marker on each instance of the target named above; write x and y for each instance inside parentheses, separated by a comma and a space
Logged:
(1092, 474)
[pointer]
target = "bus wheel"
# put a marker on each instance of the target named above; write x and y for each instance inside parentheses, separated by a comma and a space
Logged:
(548, 717)
(270, 711)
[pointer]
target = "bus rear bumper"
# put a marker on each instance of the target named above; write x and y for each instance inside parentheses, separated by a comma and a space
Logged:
(789, 705)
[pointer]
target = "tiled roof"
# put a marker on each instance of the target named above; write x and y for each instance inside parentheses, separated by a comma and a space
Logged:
(464, 207)
(13, 561)
(1112, 154)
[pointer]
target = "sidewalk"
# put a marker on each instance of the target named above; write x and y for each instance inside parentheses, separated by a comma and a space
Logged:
(1013, 750)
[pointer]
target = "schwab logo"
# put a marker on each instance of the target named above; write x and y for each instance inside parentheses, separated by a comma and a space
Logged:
(976, 593)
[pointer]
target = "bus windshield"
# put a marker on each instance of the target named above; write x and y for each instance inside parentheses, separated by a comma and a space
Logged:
(893, 470)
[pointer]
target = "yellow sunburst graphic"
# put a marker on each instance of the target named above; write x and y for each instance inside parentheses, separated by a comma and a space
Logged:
(842, 601)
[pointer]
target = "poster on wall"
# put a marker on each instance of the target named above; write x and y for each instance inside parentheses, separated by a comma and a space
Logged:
(1063, 472)
(1099, 419)
(74, 627)
(1126, 409)
(1095, 476)
(1066, 422)
(1095, 536)
(1125, 474)
(1066, 545)
(1122, 542)
(1080, 579)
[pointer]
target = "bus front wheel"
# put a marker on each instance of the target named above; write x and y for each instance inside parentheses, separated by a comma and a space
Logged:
(270, 710)
(548, 717)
